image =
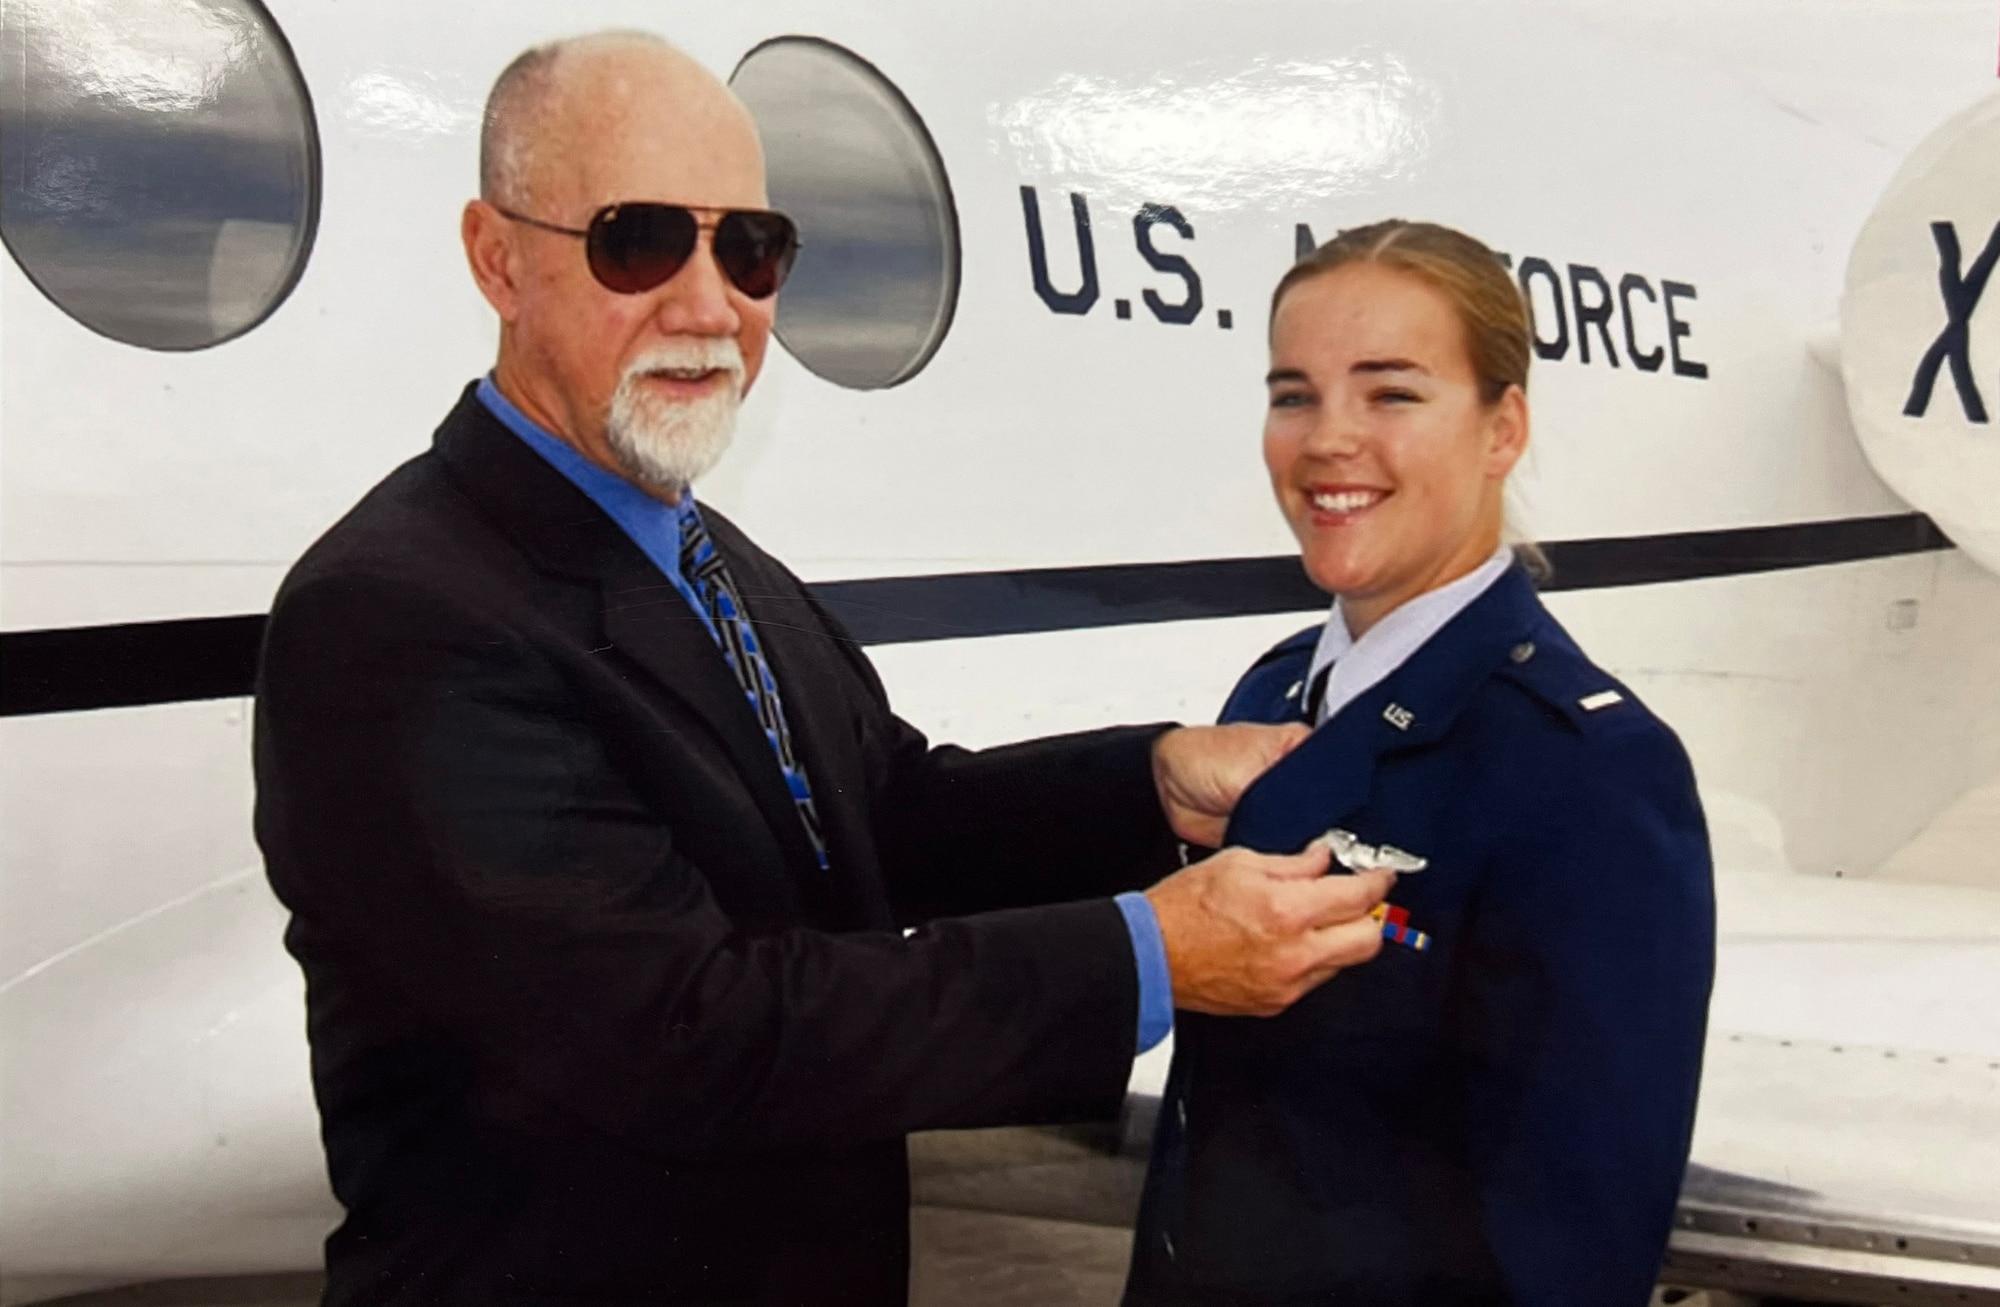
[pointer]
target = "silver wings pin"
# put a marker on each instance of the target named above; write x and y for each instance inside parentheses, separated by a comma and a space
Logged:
(1354, 855)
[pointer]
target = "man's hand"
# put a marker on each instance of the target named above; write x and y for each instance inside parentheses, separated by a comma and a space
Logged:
(1248, 934)
(1200, 772)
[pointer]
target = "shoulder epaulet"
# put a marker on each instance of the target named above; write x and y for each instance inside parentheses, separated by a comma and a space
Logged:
(1559, 675)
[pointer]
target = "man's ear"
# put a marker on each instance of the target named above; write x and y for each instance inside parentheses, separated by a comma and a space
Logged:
(489, 249)
(1507, 433)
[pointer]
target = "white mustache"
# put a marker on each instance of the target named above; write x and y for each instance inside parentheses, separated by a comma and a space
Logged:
(695, 355)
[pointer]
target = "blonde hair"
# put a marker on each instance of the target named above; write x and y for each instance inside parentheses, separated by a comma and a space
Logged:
(1470, 276)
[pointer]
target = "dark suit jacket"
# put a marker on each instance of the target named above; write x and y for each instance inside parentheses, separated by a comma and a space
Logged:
(1504, 1117)
(588, 1022)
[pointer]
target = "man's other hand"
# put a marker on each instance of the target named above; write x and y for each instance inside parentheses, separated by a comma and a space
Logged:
(1248, 934)
(1200, 772)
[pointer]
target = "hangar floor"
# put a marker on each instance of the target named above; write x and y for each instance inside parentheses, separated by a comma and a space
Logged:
(1014, 1218)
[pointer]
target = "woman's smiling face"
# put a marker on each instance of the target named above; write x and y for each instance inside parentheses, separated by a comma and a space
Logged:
(1388, 463)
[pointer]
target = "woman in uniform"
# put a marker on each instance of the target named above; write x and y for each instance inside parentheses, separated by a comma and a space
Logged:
(1497, 1108)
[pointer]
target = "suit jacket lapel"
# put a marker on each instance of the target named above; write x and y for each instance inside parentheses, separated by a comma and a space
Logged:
(1330, 775)
(645, 617)
(797, 641)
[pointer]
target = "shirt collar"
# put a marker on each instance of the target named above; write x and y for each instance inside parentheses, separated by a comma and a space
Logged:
(1359, 665)
(628, 505)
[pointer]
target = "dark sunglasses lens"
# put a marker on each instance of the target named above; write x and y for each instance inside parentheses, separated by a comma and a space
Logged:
(756, 250)
(635, 247)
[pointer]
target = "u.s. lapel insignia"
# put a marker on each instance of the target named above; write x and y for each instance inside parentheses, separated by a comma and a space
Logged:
(1350, 852)
(1399, 717)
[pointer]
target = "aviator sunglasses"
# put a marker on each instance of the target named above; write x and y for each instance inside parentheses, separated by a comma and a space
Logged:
(637, 246)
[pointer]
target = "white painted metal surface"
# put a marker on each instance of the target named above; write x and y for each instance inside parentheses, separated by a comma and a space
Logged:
(154, 1112)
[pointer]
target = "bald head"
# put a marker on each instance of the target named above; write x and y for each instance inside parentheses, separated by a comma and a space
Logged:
(560, 107)
(644, 383)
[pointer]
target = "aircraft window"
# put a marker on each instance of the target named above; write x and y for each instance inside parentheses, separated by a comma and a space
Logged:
(872, 294)
(159, 164)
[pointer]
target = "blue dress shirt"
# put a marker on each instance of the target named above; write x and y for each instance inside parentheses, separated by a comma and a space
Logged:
(1156, 983)
(655, 526)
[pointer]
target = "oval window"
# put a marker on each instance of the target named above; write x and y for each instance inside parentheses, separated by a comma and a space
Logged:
(159, 164)
(872, 294)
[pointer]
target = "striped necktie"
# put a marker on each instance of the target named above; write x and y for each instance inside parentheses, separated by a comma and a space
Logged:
(703, 569)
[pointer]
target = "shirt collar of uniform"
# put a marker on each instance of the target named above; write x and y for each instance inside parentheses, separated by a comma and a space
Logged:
(651, 524)
(1359, 665)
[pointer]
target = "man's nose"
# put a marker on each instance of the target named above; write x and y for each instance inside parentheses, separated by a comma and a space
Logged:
(696, 300)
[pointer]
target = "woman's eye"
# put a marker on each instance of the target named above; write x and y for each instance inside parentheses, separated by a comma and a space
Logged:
(1397, 397)
(1290, 399)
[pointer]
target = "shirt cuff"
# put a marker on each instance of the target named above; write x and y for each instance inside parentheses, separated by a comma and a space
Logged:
(1149, 954)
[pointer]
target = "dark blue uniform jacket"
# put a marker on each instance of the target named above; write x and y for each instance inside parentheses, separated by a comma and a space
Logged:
(1503, 1117)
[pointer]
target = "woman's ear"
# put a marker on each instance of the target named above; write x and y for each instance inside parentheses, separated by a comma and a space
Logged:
(1506, 433)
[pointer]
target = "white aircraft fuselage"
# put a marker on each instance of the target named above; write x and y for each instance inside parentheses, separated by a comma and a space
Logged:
(1678, 186)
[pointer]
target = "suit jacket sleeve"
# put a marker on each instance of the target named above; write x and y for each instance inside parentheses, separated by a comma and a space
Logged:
(435, 808)
(1588, 980)
(1061, 818)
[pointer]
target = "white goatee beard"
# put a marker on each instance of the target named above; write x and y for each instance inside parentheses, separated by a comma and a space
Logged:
(665, 445)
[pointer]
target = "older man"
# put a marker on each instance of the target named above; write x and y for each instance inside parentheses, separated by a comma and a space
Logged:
(596, 830)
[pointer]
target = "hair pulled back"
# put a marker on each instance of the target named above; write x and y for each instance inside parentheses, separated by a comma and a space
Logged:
(1463, 270)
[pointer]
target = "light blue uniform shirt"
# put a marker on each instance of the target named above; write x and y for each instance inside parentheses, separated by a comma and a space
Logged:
(655, 527)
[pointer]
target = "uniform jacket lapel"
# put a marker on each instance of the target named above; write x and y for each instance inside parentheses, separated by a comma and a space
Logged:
(1330, 775)
(644, 616)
